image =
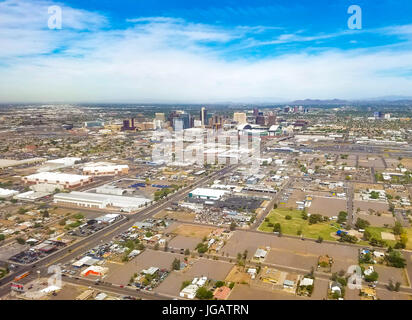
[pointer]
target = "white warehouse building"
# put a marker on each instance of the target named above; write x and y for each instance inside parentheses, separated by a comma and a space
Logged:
(100, 201)
(207, 193)
(63, 180)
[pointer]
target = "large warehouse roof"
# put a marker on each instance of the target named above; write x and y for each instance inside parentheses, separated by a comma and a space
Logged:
(207, 193)
(53, 177)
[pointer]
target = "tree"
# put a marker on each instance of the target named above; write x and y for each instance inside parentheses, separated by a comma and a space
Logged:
(176, 264)
(187, 252)
(20, 241)
(2, 237)
(315, 218)
(204, 294)
(342, 217)
(219, 284)
(361, 223)
(288, 217)
(397, 229)
(395, 259)
(232, 226)
(320, 239)
(185, 284)
(277, 227)
(372, 277)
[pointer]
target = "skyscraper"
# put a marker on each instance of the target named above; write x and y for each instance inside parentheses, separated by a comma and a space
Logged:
(203, 116)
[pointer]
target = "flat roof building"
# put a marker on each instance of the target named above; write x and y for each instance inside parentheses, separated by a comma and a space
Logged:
(207, 194)
(63, 180)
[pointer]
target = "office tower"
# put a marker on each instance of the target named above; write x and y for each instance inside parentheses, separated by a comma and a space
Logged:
(203, 116)
(239, 117)
(160, 116)
(255, 112)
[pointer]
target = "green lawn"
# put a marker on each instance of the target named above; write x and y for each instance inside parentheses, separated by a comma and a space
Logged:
(376, 233)
(409, 243)
(323, 229)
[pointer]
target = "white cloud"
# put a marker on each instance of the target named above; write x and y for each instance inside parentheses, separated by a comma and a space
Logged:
(168, 59)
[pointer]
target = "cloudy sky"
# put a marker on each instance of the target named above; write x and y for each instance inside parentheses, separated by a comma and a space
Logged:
(203, 51)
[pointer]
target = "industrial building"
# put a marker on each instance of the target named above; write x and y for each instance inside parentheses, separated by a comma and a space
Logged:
(61, 180)
(100, 201)
(6, 193)
(207, 194)
(104, 169)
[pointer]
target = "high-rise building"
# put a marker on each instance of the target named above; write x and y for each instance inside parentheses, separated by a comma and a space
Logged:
(203, 116)
(260, 120)
(239, 117)
(128, 124)
(271, 119)
(160, 116)
(255, 112)
(186, 121)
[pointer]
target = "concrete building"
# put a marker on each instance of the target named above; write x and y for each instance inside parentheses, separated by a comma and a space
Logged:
(61, 180)
(105, 169)
(207, 194)
(100, 201)
(239, 117)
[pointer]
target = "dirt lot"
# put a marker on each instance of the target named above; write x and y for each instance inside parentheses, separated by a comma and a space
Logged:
(193, 231)
(384, 294)
(68, 292)
(375, 220)
(182, 242)
(288, 258)
(407, 163)
(212, 269)
(238, 275)
(179, 215)
(327, 206)
(295, 252)
(244, 292)
(387, 273)
(320, 290)
(366, 205)
(120, 273)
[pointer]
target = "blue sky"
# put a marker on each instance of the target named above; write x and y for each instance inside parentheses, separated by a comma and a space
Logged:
(204, 51)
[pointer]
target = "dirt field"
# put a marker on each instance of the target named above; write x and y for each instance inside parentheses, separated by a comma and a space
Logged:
(327, 206)
(194, 231)
(407, 163)
(387, 273)
(384, 294)
(375, 220)
(295, 252)
(244, 292)
(181, 242)
(366, 205)
(179, 215)
(238, 275)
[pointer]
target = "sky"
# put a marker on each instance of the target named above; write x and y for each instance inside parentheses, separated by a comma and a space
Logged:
(135, 51)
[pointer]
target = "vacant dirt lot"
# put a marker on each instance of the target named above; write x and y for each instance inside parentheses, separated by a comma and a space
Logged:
(194, 231)
(366, 205)
(294, 252)
(238, 275)
(327, 206)
(182, 242)
(375, 220)
(389, 273)
(244, 292)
